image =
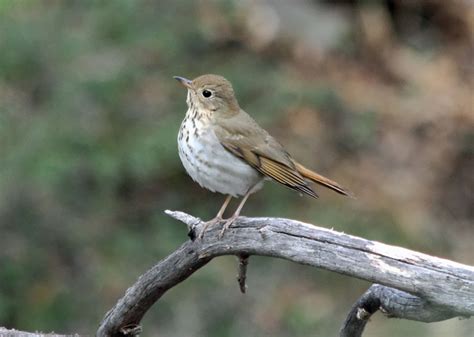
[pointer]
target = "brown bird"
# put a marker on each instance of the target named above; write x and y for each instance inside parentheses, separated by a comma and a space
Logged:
(224, 150)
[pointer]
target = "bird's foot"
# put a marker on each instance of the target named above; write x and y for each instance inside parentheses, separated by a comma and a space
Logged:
(227, 224)
(207, 224)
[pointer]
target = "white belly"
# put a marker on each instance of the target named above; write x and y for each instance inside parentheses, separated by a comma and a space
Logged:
(212, 166)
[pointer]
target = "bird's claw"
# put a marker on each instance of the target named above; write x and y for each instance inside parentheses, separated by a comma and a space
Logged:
(227, 225)
(228, 222)
(208, 224)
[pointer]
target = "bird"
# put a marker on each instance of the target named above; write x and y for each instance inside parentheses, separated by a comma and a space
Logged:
(224, 150)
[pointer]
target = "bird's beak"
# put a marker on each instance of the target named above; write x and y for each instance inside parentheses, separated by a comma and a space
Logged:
(184, 81)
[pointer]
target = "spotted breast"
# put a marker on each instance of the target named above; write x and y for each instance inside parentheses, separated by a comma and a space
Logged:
(208, 162)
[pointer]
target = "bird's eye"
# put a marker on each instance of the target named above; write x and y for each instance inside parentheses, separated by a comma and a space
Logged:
(206, 93)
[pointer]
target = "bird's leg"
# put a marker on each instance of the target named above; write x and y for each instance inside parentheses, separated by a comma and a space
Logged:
(217, 218)
(223, 207)
(234, 216)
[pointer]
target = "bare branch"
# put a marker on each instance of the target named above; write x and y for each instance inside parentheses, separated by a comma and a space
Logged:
(242, 277)
(439, 288)
(17, 333)
(393, 303)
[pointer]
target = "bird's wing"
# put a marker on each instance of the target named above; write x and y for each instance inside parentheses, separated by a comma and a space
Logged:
(244, 138)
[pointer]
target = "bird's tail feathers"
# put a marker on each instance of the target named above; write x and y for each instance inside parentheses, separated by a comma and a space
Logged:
(319, 179)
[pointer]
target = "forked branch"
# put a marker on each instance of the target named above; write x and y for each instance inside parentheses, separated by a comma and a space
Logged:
(416, 286)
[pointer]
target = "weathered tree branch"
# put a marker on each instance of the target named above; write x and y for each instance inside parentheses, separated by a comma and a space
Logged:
(417, 286)
(4, 332)
(392, 303)
(242, 277)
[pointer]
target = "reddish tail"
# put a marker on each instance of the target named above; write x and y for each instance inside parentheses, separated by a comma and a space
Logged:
(319, 179)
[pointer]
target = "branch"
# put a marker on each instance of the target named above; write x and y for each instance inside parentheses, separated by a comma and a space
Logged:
(392, 303)
(4, 332)
(440, 288)
(242, 277)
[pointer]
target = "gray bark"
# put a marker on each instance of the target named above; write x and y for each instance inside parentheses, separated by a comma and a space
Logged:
(17, 333)
(416, 286)
(392, 303)
(410, 285)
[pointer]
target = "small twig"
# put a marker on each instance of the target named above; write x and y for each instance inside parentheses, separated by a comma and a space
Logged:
(242, 276)
(183, 217)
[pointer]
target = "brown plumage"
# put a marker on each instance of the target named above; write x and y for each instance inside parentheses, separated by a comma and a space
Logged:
(225, 150)
(321, 180)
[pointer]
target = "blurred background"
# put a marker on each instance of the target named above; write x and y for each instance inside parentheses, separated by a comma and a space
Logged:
(377, 95)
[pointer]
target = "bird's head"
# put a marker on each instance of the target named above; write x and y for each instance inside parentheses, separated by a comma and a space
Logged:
(211, 93)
